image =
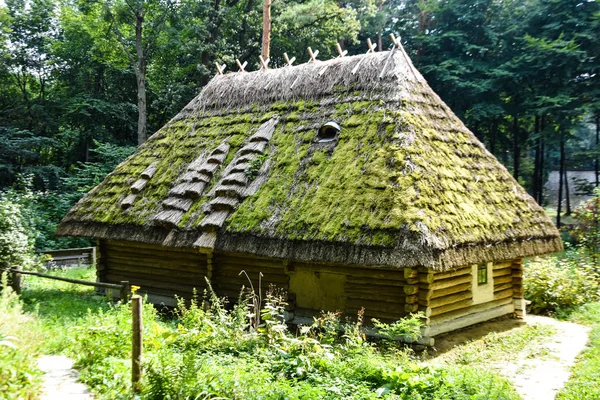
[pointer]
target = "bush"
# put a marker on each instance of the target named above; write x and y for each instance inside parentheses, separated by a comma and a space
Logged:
(587, 231)
(16, 246)
(556, 283)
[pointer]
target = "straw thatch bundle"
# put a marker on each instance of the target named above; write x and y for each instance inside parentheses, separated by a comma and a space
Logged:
(241, 169)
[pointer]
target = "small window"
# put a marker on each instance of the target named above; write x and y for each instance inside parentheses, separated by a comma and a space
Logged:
(482, 274)
(328, 132)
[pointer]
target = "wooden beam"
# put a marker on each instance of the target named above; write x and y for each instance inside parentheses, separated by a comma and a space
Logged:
(242, 67)
(264, 64)
(341, 53)
(220, 68)
(289, 61)
(313, 55)
(372, 46)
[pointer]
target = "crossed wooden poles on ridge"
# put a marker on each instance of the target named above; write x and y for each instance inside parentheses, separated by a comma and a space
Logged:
(264, 64)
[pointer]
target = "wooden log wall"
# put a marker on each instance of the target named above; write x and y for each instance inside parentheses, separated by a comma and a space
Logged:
(379, 291)
(101, 260)
(517, 287)
(452, 296)
(165, 271)
(228, 279)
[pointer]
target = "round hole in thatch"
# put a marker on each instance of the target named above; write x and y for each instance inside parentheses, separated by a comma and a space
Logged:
(328, 132)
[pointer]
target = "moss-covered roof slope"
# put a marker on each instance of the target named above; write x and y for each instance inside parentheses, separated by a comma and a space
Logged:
(242, 168)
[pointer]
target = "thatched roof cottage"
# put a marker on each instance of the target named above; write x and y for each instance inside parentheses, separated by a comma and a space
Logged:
(348, 183)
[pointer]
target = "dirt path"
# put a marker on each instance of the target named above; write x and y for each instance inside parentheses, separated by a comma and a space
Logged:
(538, 373)
(542, 378)
(60, 380)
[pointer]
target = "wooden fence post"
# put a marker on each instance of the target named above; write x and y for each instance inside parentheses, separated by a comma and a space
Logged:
(136, 343)
(16, 280)
(124, 291)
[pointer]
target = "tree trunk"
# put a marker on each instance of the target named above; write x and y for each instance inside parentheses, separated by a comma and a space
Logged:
(536, 163)
(380, 28)
(493, 133)
(140, 74)
(266, 36)
(542, 159)
(596, 167)
(516, 148)
(567, 193)
(560, 180)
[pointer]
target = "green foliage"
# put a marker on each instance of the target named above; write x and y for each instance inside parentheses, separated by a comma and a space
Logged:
(254, 166)
(587, 215)
(408, 328)
(555, 283)
(16, 245)
(41, 211)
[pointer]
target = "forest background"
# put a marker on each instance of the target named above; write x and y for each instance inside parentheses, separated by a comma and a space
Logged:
(83, 82)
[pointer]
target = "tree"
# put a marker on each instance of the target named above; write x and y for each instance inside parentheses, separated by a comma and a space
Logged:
(137, 25)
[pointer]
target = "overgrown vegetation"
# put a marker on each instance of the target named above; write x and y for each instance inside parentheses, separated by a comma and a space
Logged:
(557, 283)
(19, 376)
(218, 352)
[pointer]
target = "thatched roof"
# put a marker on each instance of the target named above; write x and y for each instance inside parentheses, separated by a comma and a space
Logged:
(240, 169)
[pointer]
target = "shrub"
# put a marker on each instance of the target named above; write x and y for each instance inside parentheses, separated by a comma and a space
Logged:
(557, 283)
(16, 247)
(587, 215)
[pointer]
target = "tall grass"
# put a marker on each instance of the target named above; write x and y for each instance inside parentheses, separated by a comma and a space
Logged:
(19, 376)
(213, 350)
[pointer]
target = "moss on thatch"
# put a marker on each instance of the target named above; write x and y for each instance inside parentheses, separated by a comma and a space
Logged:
(405, 182)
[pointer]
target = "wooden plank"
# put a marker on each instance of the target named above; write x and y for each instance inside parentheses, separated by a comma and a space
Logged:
(446, 283)
(156, 253)
(503, 287)
(153, 285)
(166, 256)
(451, 307)
(463, 287)
(239, 259)
(374, 306)
(142, 246)
(385, 316)
(368, 281)
(453, 273)
(503, 279)
(355, 272)
(503, 264)
(159, 281)
(450, 299)
(472, 318)
(383, 289)
(472, 309)
(507, 293)
(149, 264)
(181, 274)
(399, 299)
(502, 272)
(235, 275)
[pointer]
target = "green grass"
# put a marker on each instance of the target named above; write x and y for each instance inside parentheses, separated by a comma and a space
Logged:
(213, 353)
(585, 382)
(19, 376)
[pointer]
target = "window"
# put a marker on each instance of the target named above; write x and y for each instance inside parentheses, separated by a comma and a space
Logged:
(482, 274)
(328, 132)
